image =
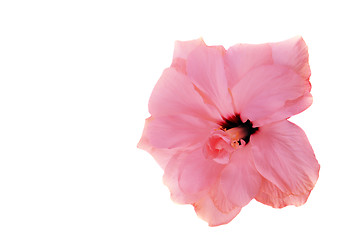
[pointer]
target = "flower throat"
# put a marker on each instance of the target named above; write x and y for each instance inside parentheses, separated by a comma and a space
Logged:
(238, 129)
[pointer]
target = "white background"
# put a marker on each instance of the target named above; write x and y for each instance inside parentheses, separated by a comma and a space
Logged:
(75, 79)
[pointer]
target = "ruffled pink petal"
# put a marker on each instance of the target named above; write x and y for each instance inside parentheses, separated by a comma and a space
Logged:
(240, 181)
(290, 108)
(242, 58)
(205, 67)
(220, 200)
(198, 173)
(171, 180)
(189, 176)
(283, 155)
(274, 85)
(265, 90)
(182, 50)
(218, 148)
(174, 94)
(293, 53)
(271, 195)
(161, 155)
(180, 131)
(207, 211)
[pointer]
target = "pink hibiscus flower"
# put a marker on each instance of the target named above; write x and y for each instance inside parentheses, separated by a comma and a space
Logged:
(219, 127)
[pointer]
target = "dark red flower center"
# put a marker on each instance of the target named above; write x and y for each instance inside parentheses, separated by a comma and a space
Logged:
(235, 122)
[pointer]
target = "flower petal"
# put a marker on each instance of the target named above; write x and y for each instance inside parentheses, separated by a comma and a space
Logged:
(271, 195)
(161, 155)
(218, 147)
(181, 51)
(207, 211)
(205, 67)
(240, 181)
(189, 176)
(290, 108)
(293, 53)
(220, 200)
(242, 58)
(265, 90)
(198, 173)
(174, 94)
(178, 131)
(171, 180)
(283, 155)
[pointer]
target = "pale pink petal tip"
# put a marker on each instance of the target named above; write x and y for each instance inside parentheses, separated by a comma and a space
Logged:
(219, 127)
(183, 48)
(294, 53)
(271, 195)
(161, 155)
(181, 51)
(207, 211)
